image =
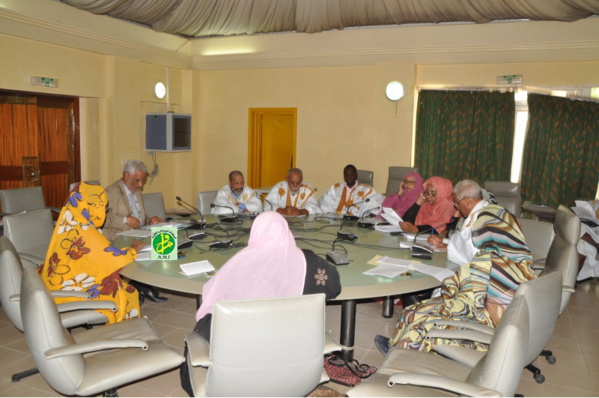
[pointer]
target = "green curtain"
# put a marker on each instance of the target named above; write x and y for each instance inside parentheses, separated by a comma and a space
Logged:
(465, 135)
(561, 152)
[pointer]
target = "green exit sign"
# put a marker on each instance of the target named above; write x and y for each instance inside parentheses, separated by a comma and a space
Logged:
(43, 81)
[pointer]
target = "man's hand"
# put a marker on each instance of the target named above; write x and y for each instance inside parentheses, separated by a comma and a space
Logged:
(408, 227)
(154, 220)
(137, 245)
(132, 222)
(436, 241)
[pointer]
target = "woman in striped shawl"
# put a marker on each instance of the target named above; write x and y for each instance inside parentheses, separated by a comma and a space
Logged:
(480, 290)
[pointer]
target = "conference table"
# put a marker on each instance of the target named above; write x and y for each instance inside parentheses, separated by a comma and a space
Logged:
(318, 233)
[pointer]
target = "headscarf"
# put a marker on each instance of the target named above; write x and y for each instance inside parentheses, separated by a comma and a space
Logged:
(438, 214)
(270, 266)
(80, 258)
(408, 198)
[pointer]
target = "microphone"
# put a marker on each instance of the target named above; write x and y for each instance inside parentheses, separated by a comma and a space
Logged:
(195, 224)
(363, 224)
(347, 216)
(272, 208)
(422, 250)
(336, 258)
(222, 244)
(231, 218)
(342, 235)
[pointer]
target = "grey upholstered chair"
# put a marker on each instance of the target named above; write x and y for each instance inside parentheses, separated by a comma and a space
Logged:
(411, 373)
(396, 175)
(264, 347)
(154, 205)
(18, 200)
(366, 177)
(205, 198)
(508, 194)
(31, 233)
(72, 314)
(538, 236)
(93, 361)
(543, 297)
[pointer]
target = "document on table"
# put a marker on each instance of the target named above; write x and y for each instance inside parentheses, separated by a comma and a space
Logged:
(391, 216)
(196, 267)
(392, 267)
(585, 211)
(136, 233)
(176, 224)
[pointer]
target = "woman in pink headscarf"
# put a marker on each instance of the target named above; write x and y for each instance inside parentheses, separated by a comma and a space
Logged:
(270, 266)
(433, 209)
(409, 190)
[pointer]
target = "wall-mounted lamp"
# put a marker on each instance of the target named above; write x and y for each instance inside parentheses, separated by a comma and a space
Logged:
(394, 91)
(160, 90)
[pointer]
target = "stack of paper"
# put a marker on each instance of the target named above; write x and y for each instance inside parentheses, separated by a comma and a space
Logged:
(585, 211)
(393, 267)
(196, 267)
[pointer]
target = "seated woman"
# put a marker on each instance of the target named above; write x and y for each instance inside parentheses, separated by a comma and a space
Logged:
(479, 291)
(432, 210)
(80, 258)
(409, 190)
(270, 266)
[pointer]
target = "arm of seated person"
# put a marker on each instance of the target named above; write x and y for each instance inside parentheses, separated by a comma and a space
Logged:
(321, 276)
(155, 220)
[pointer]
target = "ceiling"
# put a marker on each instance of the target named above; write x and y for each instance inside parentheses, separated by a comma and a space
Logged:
(213, 18)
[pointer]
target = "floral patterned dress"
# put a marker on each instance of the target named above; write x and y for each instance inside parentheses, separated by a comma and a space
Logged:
(80, 258)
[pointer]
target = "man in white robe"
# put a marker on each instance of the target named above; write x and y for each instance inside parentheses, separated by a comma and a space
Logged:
(236, 196)
(468, 200)
(350, 197)
(292, 197)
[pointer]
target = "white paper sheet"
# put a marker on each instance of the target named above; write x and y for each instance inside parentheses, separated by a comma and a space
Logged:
(196, 267)
(136, 233)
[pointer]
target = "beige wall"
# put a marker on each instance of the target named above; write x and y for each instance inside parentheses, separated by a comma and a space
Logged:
(343, 115)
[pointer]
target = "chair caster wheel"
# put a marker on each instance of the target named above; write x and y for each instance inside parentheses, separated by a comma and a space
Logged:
(539, 379)
(551, 359)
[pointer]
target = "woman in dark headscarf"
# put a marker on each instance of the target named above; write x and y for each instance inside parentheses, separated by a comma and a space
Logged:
(479, 291)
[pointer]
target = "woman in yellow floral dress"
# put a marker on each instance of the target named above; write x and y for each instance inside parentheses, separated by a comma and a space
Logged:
(80, 258)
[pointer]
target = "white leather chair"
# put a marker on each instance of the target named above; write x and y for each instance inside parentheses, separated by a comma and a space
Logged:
(18, 200)
(543, 297)
(93, 361)
(410, 373)
(31, 233)
(508, 194)
(205, 198)
(365, 177)
(73, 314)
(538, 236)
(264, 347)
(154, 205)
(396, 175)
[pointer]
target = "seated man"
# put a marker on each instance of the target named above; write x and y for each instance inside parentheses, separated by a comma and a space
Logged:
(235, 195)
(126, 211)
(588, 245)
(468, 200)
(349, 197)
(292, 197)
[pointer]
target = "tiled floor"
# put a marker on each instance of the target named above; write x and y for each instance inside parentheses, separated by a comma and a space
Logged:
(575, 344)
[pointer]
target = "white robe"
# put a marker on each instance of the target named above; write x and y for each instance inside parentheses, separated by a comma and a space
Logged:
(460, 248)
(590, 268)
(335, 200)
(279, 197)
(225, 197)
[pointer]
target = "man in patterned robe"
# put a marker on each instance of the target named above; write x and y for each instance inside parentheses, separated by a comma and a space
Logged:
(292, 197)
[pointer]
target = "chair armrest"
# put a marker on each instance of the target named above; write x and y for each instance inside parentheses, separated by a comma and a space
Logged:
(464, 355)
(474, 326)
(330, 345)
(31, 258)
(15, 298)
(101, 345)
(459, 335)
(443, 383)
(568, 289)
(199, 350)
(70, 293)
(87, 305)
(54, 209)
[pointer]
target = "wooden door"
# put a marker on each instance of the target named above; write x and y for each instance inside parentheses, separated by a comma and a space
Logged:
(271, 150)
(40, 143)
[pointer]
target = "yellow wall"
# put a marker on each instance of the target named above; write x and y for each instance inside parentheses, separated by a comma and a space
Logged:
(343, 115)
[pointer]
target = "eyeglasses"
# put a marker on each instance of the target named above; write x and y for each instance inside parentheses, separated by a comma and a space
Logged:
(409, 182)
(456, 204)
(430, 194)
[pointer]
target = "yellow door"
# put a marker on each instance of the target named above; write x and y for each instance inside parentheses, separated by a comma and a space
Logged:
(271, 145)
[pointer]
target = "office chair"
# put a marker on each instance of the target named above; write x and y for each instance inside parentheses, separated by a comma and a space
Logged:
(93, 361)
(30, 233)
(154, 205)
(538, 236)
(507, 194)
(91, 182)
(365, 177)
(263, 347)
(396, 175)
(543, 298)
(412, 373)
(18, 200)
(73, 314)
(205, 198)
